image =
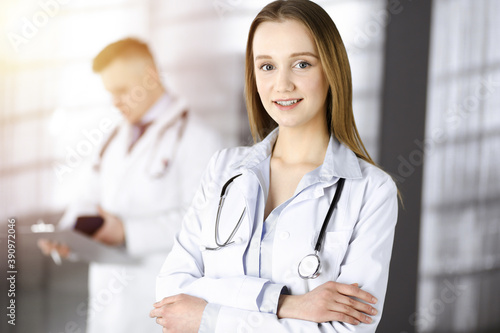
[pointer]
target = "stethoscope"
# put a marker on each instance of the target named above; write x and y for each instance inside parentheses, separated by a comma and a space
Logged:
(229, 240)
(310, 266)
(155, 170)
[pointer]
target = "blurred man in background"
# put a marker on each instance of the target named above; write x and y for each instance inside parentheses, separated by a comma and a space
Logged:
(144, 177)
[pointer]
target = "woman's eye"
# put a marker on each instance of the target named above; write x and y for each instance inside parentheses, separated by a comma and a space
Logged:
(303, 65)
(267, 67)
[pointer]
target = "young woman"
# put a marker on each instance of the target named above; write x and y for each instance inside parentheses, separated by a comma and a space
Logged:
(306, 199)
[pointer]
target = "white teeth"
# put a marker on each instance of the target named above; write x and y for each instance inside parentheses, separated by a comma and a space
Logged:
(287, 103)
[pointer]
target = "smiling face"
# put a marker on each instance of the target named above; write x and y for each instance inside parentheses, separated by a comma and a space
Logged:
(289, 75)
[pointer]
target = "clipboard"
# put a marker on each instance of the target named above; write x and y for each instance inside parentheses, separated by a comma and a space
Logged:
(85, 248)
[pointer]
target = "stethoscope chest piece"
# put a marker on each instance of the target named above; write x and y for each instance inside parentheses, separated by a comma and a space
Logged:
(309, 266)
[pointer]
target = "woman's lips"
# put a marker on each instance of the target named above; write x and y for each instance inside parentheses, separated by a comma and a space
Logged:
(287, 104)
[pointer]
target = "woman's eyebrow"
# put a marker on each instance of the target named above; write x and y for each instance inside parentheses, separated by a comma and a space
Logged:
(263, 57)
(293, 55)
(300, 54)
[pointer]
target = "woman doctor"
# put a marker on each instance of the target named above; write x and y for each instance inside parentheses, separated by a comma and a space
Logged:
(252, 256)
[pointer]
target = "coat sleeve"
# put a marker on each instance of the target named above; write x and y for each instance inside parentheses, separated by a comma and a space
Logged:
(233, 303)
(183, 270)
(369, 252)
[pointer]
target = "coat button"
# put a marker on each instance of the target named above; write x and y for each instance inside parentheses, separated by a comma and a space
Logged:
(284, 235)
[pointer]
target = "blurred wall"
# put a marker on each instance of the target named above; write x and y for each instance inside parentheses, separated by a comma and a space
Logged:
(460, 235)
(403, 122)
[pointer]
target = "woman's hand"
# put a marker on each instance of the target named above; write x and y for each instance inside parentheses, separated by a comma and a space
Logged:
(330, 301)
(179, 313)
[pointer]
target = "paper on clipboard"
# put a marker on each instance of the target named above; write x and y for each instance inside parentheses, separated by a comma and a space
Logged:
(87, 249)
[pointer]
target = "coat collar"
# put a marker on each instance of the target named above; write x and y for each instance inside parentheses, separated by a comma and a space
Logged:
(165, 111)
(157, 109)
(339, 162)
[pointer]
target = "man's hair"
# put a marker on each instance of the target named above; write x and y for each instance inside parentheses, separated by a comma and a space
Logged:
(122, 49)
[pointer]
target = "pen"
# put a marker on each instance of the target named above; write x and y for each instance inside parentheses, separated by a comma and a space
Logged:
(56, 257)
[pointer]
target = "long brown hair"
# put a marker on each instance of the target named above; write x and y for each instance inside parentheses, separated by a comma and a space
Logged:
(333, 56)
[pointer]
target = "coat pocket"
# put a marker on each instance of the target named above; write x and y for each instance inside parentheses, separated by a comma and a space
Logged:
(225, 262)
(333, 253)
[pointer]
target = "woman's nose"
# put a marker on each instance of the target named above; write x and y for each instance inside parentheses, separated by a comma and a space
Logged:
(284, 82)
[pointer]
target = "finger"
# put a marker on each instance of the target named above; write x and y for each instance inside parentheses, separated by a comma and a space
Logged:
(166, 300)
(52, 247)
(44, 246)
(99, 235)
(360, 306)
(63, 250)
(351, 312)
(342, 317)
(161, 303)
(155, 313)
(160, 321)
(350, 290)
(49, 245)
(102, 212)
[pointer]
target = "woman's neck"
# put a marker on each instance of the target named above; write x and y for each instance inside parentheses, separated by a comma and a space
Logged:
(297, 146)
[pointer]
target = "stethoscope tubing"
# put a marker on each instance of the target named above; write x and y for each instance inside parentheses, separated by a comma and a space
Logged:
(316, 268)
(217, 219)
(336, 197)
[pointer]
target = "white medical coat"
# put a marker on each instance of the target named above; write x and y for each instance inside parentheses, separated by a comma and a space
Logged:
(357, 247)
(150, 189)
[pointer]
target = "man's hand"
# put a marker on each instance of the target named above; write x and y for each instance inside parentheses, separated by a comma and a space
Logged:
(48, 246)
(330, 301)
(112, 231)
(179, 313)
